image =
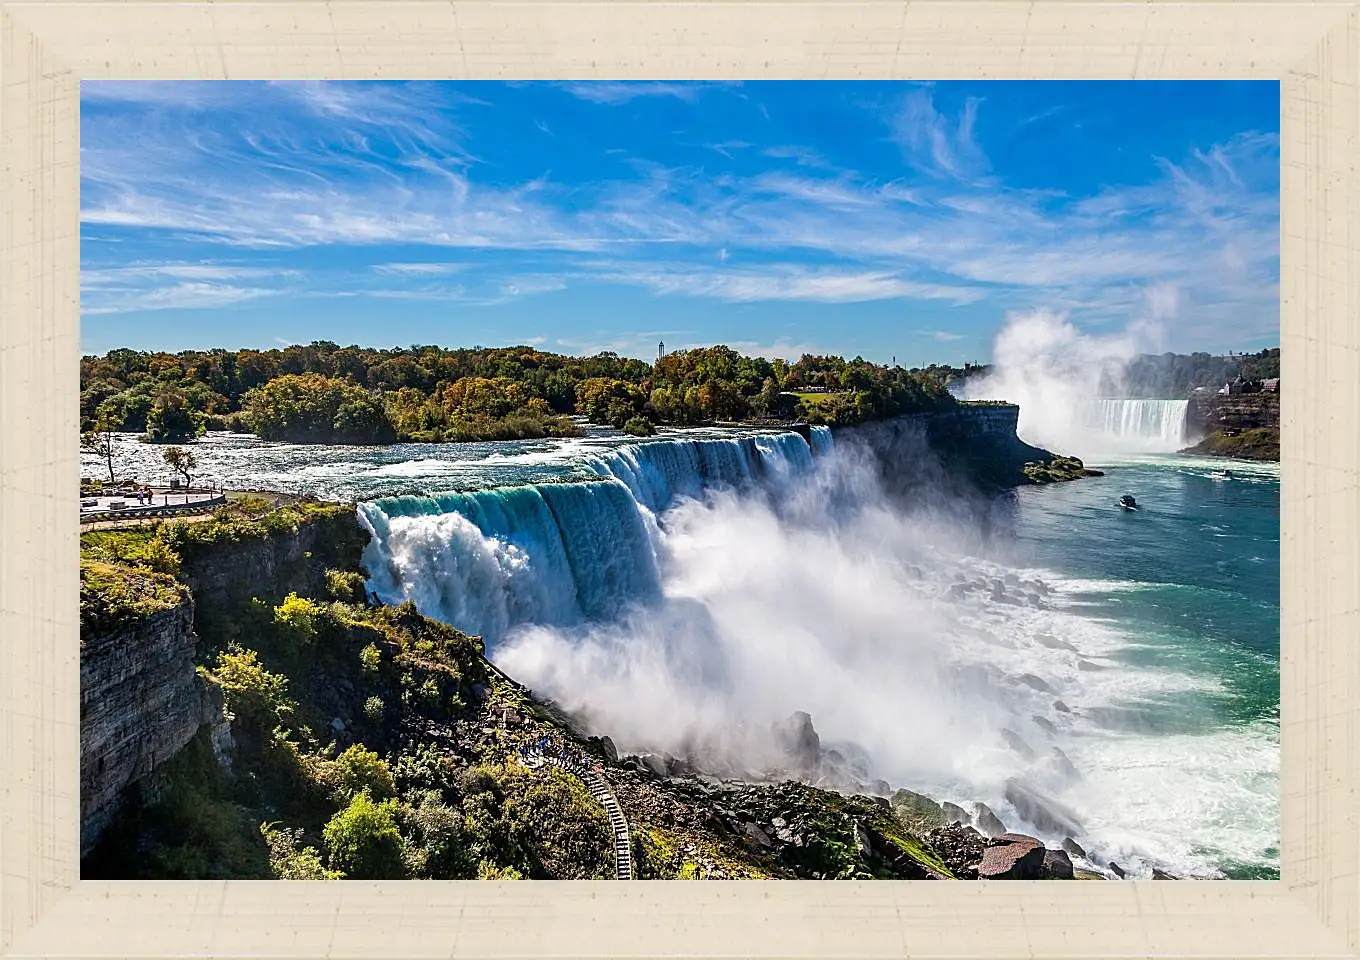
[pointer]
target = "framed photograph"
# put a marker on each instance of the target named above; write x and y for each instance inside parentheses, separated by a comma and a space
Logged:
(767, 472)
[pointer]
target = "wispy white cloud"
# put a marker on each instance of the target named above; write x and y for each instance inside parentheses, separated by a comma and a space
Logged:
(615, 92)
(387, 164)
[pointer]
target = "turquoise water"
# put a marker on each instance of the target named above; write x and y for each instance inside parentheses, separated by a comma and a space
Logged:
(712, 580)
(1192, 581)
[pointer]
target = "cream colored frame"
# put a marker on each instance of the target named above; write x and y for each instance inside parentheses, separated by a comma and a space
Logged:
(46, 47)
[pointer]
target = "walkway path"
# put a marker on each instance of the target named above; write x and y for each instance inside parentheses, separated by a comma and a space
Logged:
(599, 789)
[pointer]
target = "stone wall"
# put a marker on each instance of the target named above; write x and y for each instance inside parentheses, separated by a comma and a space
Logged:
(141, 701)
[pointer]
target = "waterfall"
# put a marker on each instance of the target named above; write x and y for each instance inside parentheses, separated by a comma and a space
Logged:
(561, 553)
(1151, 426)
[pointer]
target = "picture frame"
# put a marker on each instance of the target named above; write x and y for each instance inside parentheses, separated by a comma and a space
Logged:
(47, 47)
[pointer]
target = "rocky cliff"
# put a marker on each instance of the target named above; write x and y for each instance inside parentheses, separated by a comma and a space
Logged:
(973, 444)
(1245, 426)
(141, 696)
(1246, 411)
(141, 701)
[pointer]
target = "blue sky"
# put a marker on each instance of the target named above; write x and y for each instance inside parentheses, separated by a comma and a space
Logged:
(903, 220)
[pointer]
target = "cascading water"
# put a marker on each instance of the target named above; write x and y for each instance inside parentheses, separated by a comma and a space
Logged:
(560, 553)
(1145, 426)
(684, 594)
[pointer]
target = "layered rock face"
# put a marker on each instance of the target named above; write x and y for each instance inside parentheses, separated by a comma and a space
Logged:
(271, 568)
(1245, 411)
(141, 701)
(976, 443)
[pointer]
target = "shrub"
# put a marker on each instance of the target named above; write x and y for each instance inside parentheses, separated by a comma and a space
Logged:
(360, 770)
(252, 692)
(639, 427)
(296, 619)
(371, 657)
(288, 862)
(363, 841)
(373, 710)
(345, 586)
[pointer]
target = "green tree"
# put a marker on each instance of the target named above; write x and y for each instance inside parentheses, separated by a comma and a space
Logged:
(182, 461)
(360, 770)
(363, 841)
(99, 439)
(172, 420)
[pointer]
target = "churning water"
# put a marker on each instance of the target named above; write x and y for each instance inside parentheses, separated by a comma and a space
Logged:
(692, 588)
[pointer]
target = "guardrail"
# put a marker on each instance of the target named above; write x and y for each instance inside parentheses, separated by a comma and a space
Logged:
(165, 510)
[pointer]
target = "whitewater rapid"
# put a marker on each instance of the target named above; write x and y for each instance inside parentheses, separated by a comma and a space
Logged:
(687, 591)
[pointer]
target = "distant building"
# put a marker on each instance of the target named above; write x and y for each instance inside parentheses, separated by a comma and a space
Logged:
(660, 349)
(1271, 386)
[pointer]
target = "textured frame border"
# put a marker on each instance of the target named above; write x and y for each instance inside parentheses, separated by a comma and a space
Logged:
(46, 47)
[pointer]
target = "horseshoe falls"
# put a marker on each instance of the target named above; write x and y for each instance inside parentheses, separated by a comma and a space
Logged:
(1143, 426)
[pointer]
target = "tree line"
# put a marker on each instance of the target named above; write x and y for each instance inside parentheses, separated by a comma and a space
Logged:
(325, 393)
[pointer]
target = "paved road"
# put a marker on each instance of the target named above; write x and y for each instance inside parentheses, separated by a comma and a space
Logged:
(159, 498)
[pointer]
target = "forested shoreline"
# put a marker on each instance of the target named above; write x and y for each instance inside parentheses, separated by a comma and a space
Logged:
(325, 393)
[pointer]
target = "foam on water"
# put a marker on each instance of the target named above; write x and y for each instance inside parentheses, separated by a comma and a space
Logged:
(750, 606)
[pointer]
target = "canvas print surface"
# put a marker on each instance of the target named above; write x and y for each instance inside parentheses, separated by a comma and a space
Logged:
(661, 480)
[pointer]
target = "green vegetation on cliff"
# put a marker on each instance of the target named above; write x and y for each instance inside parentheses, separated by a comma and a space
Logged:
(324, 393)
(1262, 443)
(370, 742)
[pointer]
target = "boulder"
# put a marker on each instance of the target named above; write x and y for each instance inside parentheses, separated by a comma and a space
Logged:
(798, 740)
(611, 752)
(1061, 707)
(1017, 744)
(1064, 765)
(653, 764)
(1162, 875)
(757, 838)
(862, 841)
(1057, 865)
(1034, 683)
(1073, 848)
(1089, 665)
(988, 823)
(1117, 870)
(959, 847)
(917, 811)
(953, 813)
(1043, 812)
(1044, 724)
(1012, 856)
(1053, 643)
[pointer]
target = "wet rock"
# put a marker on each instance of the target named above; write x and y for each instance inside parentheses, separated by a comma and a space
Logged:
(1064, 765)
(1073, 848)
(1016, 743)
(953, 813)
(880, 788)
(1117, 870)
(610, 751)
(959, 847)
(1061, 707)
(1044, 724)
(799, 741)
(1089, 666)
(1034, 683)
(1043, 812)
(1162, 875)
(987, 822)
(651, 763)
(862, 841)
(757, 838)
(1053, 643)
(917, 811)
(1057, 865)
(1012, 856)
